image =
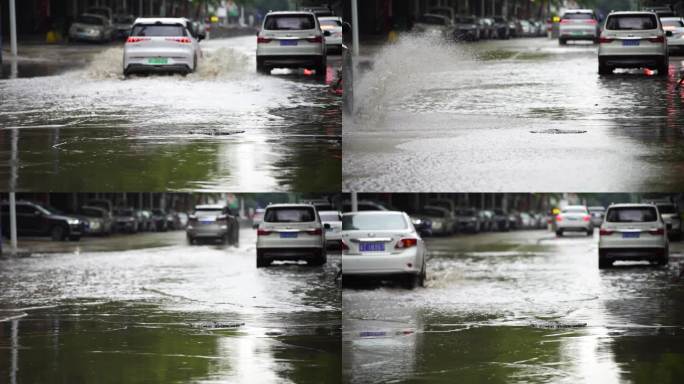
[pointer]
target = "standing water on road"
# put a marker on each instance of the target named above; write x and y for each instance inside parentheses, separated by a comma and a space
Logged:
(224, 127)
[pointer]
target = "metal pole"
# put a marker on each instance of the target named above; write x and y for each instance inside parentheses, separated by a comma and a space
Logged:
(354, 200)
(13, 222)
(13, 27)
(355, 27)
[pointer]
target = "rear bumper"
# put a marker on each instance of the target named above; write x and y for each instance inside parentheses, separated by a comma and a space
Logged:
(387, 264)
(291, 61)
(641, 253)
(302, 253)
(145, 68)
(209, 233)
(632, 61)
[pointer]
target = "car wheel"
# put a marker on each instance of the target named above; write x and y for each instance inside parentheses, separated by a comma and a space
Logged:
(57, 233)
(663, 68)
(562, 41)
(603, 69)
(559, 233)
(261, 261)
(191, 240)
(261, 67)
(320, 258)
(411, 281)
(590, 232)
(321, 68)
(604, 263)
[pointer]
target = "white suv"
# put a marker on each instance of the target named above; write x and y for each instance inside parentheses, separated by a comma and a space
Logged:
(633, 40)
(291, 40)
(633, 232)
(161, 44)
(291, 232)
(578, 24)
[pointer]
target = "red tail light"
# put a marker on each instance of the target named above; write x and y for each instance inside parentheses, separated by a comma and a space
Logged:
(263, 232)
(605, 40)
(315, 232)
(406, 243)
(183, 40)
(559, 218)
(344, 245)
(657, 232)
(659, 39)
(317, 39)
(590, 21)
(565, 21)
(263, 40)
(605, 232)
(586, 218)
(136, 39)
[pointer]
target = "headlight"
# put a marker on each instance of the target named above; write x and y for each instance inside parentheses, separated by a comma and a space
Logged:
(94, 224)
(417, 221)
(437, 224)
(73, 222)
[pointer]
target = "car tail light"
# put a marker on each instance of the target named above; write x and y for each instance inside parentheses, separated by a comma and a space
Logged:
(263, 40)
(314, 232)
(136, 39)
(590, 21)
(657, 232)
(659, 39)
(605, 40)
(344, 245)
(406, 243)
(263, 232)
(559, 218)
(565, 21)
(182, 40)
(317, 39)
(605, 232)
(222, 219)
(586, 218)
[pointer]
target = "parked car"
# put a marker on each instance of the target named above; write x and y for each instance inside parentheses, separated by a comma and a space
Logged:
(447, 12)
(578, 24)
(122, 25)
(442, 221)
(382, 243)
(291, 232)
(332, 24)
(105, 12)
(467, 28)
(36, 220)
(633, 40)
(501, 222)
(468, 220)
(258, 217)
(212, 221)
(91, 27)
(422, 224)
(289, 39)
(158, 221)
(101, 203)
(333, 219)
(363, 205)
(674, 32)
(487, 220)
(501, 28)
(126, 220)
(574, 218)
(434, 25)
(633, 232)
(486, 28)
(161, 45)
(97, 221)
(597, 213)
(669, 213)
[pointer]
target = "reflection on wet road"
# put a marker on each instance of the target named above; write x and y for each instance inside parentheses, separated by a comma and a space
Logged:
(519, 307)
(224, 127)
(518, 115)
(168, 314)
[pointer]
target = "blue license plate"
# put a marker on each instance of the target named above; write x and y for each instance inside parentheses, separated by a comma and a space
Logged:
(630, 235)
(288, 235)
(371, 247)
(288, 42)
(630, 42)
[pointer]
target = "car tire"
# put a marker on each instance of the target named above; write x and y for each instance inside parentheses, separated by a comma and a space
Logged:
(411, 281)
(58, 233)
(603, 69)
(562, 41)
(559, 233)
(191, 240)
(261, 67)
(663, 67)
(321, 67)
(261, 260)
(590, 232)
(320, 258)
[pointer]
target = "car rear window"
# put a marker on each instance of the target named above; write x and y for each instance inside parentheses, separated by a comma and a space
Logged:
(290, 215)
(208, 213)
(574, 210)
(158, 30)
(578, 16)
(329, 216)
(372, 222)
(89, 20)
(631, 22)
(631, 215)
(330, 23)
(666, 208)
(289, 22)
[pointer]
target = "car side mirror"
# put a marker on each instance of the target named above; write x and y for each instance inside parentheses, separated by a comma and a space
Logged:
(326, 226)
(668, 33)
(327, 33)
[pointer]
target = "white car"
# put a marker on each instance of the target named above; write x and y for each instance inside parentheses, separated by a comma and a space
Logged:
(633, 40)
(670, 215)
(674, 31)
(578, 24)
(574, 218)
(161, 44)
(633, 232)
(332, 24)
(382, 243)
(291, 232)
(291, 40)
(333, 229)
(91, 27)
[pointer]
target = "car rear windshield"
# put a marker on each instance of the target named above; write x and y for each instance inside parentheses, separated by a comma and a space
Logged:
(208, 213)
(631, 215)
(289, 22)
(372, 222)
(89, 20)
(575, 210)
(631, 22)
(329, 216)
(666, 208)
(159, 30)
(290, 215)
(672, 23)
(578, 16)
(331, 23)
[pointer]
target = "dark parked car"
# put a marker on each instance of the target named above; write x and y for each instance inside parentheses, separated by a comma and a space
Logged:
(501, 222)
(159, 222)
(96, 220)
(36, 220)
(126, 220)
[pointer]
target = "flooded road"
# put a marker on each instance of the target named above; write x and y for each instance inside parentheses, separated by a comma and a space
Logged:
(224, 127)
(514, 115)
(167, 313)
(519, 307)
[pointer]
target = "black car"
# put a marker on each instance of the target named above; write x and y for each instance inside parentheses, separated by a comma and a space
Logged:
(36, 220)
(159, 221)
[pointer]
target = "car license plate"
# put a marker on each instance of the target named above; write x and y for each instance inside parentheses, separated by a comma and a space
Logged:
(288, 235)
(630, 235)
(372, 247)
(207, 221)
(288, 42)
(158, 61)
(630, 42)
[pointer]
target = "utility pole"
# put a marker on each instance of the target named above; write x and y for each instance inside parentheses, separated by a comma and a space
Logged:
(355, 27)
(13, 27)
